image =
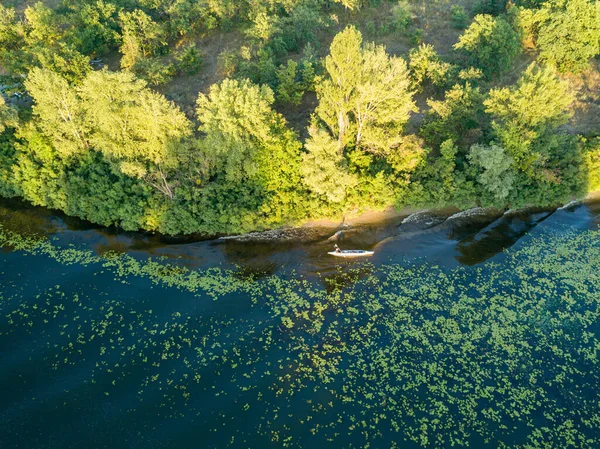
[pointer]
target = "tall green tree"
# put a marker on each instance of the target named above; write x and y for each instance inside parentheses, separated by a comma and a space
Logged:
(366, 99)
(134, 127)
(236, 117)
(245, 139)
(136, 130)
(250, 149)
(61, 114)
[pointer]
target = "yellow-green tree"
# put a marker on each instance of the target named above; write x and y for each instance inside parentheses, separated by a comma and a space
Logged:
(249, 147)
(60, 112)
(566, 32)
(365, 100)
(525, 113)
(8, 116)
(136, 128)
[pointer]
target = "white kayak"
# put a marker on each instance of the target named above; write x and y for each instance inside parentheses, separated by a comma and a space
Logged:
(351, 253)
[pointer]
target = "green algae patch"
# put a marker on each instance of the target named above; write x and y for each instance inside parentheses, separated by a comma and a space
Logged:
(502, 355)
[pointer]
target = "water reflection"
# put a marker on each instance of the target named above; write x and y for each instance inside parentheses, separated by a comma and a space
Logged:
(19, 216)
(499, 235)
(445, 237)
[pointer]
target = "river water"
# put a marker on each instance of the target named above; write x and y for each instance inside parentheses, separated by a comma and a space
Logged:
(280, 345)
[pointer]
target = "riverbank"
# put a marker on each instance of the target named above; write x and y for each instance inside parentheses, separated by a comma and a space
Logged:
(372, 217)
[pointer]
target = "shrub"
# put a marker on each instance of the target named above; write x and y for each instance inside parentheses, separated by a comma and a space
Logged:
(227, 63)
(490, 44)
(154, 71)
(402, 16)
(189, 60)
(290, 89)
(460, 19)
(426, 66)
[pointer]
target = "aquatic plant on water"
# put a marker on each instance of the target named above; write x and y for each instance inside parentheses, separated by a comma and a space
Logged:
(499, 355)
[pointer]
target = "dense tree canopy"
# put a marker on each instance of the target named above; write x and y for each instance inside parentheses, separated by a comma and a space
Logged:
(566, 32)
(168, 115)
(8, 116)
(525, 114)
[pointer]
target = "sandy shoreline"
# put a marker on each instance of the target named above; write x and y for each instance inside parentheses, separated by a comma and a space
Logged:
(389, 213)
(363, 218)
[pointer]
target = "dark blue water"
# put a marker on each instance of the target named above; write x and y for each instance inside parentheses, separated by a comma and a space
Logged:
(90, 358)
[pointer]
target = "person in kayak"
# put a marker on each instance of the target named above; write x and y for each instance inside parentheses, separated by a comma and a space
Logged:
(337, 248)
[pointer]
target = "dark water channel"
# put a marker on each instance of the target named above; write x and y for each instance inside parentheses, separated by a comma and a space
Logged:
(444, 237)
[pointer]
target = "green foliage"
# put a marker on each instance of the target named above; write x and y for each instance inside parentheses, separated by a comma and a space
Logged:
(490, 44)
(527, 112)
(324, 169)
(496, 173)
(366, 99)
(460, 117)
(260, 70)
(135, 129)
(302, 25)
(401, 17)
(89, 132)
(132, 124)
(308, 75)
(141, 37)
(154, 71)
(227, 63)
(350, 4)
(427, 67)
(246, 141)
(37, 40)
(96, 28)
(459, 16)
(189, 60)
(592, 165)
(566, 32)
(61, 114)
(8, 116)
(11, 30)
(293, 80)
(435, 179)
(290, 88)
(235, 116)
(264, 26)
(493, 7)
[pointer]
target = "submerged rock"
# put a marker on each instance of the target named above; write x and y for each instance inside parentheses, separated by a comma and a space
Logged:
(280, 235)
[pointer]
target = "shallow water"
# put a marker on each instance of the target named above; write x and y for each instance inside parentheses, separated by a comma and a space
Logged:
(441, 237)
(462, 329)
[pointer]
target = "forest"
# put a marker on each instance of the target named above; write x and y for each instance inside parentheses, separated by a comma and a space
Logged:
(226, 116)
